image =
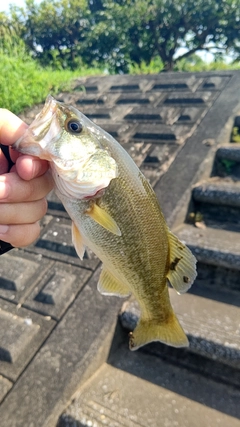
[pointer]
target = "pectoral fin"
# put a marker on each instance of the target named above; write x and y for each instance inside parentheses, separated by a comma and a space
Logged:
(182, 265)
(77, 241)
(109, 285)
(100, 216)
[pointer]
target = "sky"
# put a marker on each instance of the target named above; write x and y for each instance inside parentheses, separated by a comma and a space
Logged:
(4, 7)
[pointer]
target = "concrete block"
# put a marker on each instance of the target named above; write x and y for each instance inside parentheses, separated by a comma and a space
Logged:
(57, 290)
(178, 83)
(189, 99)
(214, 82)
(229, 152)
(159, 134)
(22, 334)
(5, 387)
(19, 273)
(55, 243)
(77, 347)
(212, 246)
(218, 192)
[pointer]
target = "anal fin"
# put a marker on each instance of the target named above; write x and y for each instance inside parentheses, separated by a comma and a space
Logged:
(109, 285)
(78, 241)
(182, 265)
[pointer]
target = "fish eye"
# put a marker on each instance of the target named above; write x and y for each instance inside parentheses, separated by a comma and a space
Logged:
(73, 126)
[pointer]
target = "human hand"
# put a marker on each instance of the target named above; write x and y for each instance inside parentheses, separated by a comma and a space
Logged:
(23, 189)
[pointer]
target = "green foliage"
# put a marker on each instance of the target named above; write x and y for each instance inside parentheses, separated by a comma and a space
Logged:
(235, 137)
(23, 82)
(137, 31)
(122, 35)
(195, 63)
(9, 38)
(55, 31)
(136, 36)
(228, 165)
(155, 66)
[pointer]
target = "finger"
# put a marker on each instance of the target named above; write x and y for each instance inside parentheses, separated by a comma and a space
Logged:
(11, 127)
(3, 163)
(22, 213)
(20, 235)
(29, 167)
(13, 189)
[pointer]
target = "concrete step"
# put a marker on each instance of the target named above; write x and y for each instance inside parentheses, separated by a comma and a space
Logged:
(215, 246)
(218, 191)
(229, 151)
(227, 161)
(213, 330)
(140, 390)
(218, 199)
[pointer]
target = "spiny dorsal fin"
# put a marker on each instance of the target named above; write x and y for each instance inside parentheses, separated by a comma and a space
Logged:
(100, 216)
(109, 285)
(182, 265)
(77, 241)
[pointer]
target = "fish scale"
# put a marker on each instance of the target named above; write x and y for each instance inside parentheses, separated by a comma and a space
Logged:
(138, 234)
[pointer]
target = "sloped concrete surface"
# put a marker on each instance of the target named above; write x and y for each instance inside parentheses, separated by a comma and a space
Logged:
(78, 346)
(138, 389)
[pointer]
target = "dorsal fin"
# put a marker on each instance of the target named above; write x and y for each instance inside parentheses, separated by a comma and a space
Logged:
(182, 265)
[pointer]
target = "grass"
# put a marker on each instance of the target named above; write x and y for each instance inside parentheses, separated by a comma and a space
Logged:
(235, 137)
(193, 66)
(154, 67)
(193, 63)
(24, 83)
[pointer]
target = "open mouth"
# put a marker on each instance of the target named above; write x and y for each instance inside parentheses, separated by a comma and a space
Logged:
(41, 124)
(36, 137)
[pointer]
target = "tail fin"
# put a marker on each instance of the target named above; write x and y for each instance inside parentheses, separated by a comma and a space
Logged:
(170, 333)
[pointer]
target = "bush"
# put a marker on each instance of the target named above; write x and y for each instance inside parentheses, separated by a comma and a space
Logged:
(23, 82)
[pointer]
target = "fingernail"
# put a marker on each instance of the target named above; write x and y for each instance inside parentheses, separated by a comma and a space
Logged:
(3, 229)
(4, 190)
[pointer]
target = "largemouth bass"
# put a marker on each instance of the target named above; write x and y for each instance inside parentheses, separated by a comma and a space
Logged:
(116, 214)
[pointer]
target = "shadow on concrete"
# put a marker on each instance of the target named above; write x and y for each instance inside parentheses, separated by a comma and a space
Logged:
(216, 295)
(211, 289)
(209, 382)
(68, 421)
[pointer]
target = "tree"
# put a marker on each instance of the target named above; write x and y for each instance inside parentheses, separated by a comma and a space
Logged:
(117, 33)
(9, 34)
(145, 29)
(55, 31)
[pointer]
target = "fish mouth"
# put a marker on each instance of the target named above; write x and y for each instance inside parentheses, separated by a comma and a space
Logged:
(42, 121)
(32, 142)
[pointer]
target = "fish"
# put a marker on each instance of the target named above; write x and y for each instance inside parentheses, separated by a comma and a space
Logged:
(115, 213)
